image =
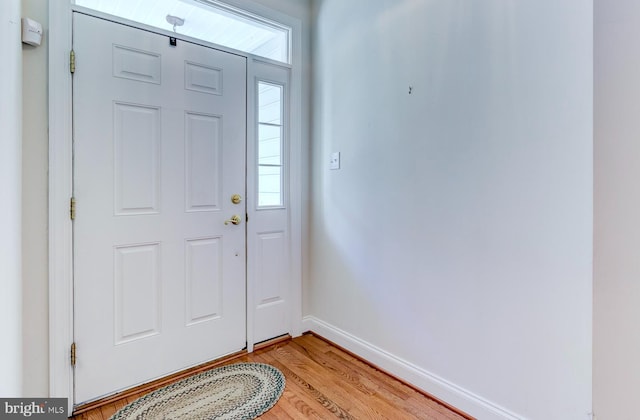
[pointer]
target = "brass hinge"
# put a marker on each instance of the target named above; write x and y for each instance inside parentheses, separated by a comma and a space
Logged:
(72, 61)
(72, 208)
(73, 354)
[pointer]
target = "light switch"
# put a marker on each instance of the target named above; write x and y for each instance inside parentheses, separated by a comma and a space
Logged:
(334, 162)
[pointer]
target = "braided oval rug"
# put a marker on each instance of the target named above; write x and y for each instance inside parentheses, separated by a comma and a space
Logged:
(237, 391)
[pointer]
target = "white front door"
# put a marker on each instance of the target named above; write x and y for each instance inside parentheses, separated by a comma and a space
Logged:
(159, 151)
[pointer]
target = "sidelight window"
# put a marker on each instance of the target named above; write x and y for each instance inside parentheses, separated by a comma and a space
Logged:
(270, 144)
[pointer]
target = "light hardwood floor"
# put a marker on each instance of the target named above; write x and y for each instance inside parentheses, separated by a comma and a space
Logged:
(323, 382)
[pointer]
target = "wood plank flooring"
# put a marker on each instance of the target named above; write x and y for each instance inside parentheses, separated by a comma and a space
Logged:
(326, 382)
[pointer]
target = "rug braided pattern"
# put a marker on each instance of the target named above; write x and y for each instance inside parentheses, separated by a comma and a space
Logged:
(238, 391)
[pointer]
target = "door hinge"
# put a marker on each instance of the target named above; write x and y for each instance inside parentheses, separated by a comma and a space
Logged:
(72, 61)
(72, 208)
(247, 217)
(73, 354)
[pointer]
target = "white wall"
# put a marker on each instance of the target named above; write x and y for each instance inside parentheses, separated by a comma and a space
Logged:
(10, 219)
(616, 348)
(456, 240)
(35, 207)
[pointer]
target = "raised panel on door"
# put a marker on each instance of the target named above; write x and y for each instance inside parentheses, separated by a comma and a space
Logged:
(203, 162)
(271, 291)
(136, 292)
(136, 141)
(204, 280)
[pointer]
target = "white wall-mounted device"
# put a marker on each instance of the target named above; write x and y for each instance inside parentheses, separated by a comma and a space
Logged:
(334, 161)
(31, 32)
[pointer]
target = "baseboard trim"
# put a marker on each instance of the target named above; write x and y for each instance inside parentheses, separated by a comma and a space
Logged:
(405, 383)
(421, 379)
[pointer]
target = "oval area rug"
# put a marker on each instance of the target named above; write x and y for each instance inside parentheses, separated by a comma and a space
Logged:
(237, 391)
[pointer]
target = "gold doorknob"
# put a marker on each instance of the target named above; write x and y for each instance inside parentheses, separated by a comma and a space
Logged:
(236, 198)
(235, 219)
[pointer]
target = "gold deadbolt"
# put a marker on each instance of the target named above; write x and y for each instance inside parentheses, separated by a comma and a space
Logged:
(236, 198)
(235, 219)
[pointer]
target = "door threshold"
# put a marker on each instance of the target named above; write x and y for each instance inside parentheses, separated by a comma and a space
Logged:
(271, 342)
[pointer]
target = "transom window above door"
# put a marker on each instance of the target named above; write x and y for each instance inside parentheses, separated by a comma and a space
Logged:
(208, 20)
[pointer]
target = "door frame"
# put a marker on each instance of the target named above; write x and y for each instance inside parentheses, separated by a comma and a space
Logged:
(61, 335)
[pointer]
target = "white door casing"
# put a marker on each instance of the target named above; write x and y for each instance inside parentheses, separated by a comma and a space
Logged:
(159, 277)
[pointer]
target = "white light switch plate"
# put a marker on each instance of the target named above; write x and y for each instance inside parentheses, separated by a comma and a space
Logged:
(334, 161)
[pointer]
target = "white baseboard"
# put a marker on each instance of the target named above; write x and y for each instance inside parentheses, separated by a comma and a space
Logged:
(428, 382)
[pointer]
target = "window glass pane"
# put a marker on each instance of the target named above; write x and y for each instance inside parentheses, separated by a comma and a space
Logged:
(270, 103)
(208, 20)
(270, 145)
(269, 186)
